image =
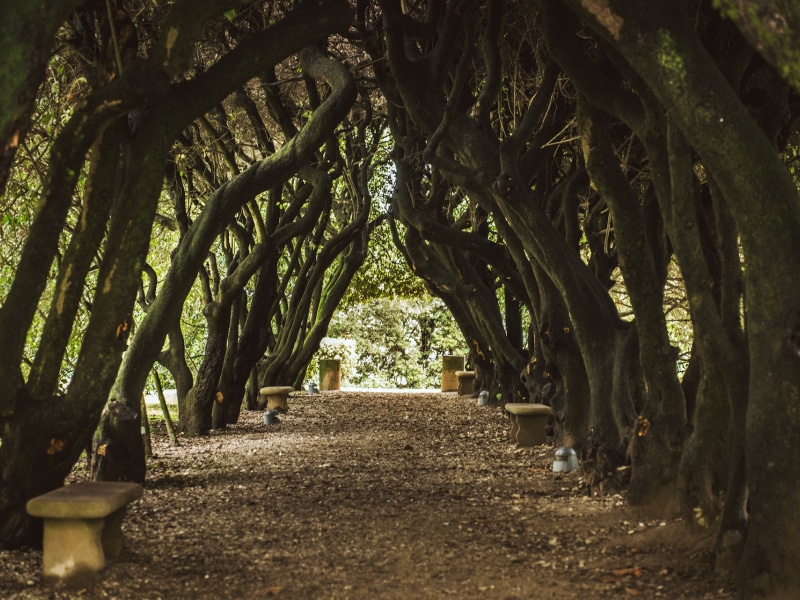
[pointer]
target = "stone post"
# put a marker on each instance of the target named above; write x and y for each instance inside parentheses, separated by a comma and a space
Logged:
(451, 364)
(330, 374)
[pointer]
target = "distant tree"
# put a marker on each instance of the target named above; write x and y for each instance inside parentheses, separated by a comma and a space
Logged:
(399, 342)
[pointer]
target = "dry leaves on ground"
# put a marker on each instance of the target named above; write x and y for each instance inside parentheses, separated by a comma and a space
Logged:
(378, 495)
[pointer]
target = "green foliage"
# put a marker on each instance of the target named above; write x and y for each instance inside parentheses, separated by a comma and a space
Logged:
(399, 342)
(676, 309)
(679, 321)
(385, 274)
(341, 349)
(18, 203)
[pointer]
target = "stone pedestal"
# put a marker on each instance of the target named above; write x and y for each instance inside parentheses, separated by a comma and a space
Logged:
(450, 365)
(466, 383)
(330, 374)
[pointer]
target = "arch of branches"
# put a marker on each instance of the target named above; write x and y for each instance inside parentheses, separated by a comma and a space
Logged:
(222, 160)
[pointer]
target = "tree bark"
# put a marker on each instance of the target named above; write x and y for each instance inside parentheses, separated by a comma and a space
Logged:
(659, 43)
(214, 218)
(771, 27)
(43, 435)
(657, 444)
(469, 155)
(195, 410)
(28, 36)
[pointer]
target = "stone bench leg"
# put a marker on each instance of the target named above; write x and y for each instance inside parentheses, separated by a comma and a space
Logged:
(72, 547)
(79, 546)
(113, 543)
(275, 397)
(529, 429)
(514, 427)
(277, 402)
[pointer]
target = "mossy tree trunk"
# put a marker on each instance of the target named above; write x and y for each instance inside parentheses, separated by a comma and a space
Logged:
(44, 430)
(195, 409)
(657, 444)
(456, 267)
(771, 27)
(528, 195)
(707, 252)
(28, 37)
(556, 374)
(312, 305)
(299, 302)
(660, 44)
(706, 244)
(270, 47)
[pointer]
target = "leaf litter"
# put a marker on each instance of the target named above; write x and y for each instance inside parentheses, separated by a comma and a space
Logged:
(378, 495)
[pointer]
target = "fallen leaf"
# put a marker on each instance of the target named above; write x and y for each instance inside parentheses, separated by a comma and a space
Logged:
(56, 446)
(629, 571)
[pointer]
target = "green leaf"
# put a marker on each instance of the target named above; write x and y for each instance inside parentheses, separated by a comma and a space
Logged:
(230, 15)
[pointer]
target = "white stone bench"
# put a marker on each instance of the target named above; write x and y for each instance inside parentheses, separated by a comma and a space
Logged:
(82, 524)
(276, 396)
(528, 422)
(466, 383)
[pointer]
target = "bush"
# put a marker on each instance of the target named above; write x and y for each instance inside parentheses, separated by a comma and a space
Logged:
(397, 342)
(341, 349)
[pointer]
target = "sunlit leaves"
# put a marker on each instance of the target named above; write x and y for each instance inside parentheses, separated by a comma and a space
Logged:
(398, 342)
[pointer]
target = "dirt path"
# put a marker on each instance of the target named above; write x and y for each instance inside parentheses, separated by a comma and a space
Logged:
(376, 495)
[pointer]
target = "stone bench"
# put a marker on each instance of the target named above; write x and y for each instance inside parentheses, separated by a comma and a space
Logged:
(528, 422)
(466, 383)
(276, 396)
(82, 524)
